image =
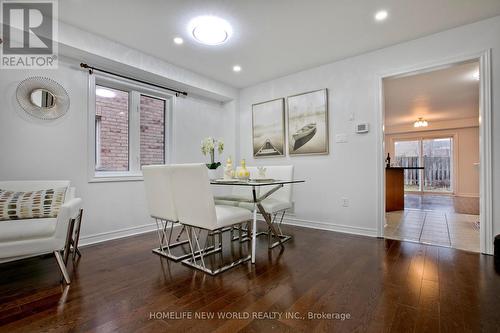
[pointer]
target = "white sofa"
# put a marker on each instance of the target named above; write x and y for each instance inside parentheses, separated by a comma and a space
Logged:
(31, 237)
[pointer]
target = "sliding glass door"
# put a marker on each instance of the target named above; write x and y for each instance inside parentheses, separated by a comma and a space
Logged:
(435, 155)
(407, 154)
(437, 161)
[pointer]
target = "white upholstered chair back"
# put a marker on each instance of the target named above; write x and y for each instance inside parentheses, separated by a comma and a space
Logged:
(193, 197)
(159, 192)
(281, 172)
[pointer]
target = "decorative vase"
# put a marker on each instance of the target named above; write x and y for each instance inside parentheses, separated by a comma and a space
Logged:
(262, 172)
(228, 169)
(243, 172)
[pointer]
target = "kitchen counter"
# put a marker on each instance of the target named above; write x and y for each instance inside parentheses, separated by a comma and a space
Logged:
(395, 187)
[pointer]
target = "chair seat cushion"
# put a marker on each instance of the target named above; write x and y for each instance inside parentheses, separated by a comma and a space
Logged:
(27, 229)
(229, 215)
(271, 205)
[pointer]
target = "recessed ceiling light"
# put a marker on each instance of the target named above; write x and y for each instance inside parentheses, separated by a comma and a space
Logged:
(106, 93)
(210, 30)
(237, 68)
(381, 15)
(178, 40)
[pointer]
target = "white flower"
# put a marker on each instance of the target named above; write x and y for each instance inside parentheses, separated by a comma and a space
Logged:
(207, 145)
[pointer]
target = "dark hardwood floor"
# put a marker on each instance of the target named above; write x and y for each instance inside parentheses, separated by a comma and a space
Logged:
(383, 285)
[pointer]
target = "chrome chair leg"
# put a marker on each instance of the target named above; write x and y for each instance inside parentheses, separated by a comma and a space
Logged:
(180, 233)
(165, 240)
(283, 237)
(194, 243)
(69, 241)
(62, 266)
(76, 239)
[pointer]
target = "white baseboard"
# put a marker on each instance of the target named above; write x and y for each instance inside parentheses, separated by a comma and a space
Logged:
(110, 235)
(290, 220)
(467, 195)
(330, 226)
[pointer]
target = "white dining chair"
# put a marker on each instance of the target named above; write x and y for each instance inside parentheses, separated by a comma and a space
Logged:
(196, 210)
(160, 202)
(277, 203)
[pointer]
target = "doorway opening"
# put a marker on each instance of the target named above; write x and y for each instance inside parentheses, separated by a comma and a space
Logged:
(432, 148)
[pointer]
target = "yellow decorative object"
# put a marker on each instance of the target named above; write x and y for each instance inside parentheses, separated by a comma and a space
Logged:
(243, 172)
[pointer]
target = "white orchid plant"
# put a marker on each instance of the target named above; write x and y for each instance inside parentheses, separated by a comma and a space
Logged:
(208, 146)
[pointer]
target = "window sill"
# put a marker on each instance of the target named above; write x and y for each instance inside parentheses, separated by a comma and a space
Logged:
(108, 177)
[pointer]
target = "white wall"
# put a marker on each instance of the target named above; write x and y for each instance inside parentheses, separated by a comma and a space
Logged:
(31, 149)
(350, 170)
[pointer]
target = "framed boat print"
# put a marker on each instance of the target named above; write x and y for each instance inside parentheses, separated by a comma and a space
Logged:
(308, 123)
(268, 128)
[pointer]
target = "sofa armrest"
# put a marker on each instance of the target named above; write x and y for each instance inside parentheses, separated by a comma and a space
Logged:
(69, 210)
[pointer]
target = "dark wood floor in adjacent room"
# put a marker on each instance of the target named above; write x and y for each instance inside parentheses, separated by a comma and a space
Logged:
(384, 285)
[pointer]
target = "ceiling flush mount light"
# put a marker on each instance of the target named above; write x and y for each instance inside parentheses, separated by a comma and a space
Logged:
(475, 75)
(381, 15)
(101, 92)
(178, 40)
(421, 123)
(237, 68)
(210, 30)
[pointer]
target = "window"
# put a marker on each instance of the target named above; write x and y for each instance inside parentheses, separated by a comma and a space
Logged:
(435, 155)
(437, 161)
(129, 128)
(407, 154)
(112, 125)
(152, 122)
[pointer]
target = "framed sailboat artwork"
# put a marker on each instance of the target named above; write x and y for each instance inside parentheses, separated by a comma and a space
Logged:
(268, 128)
(308, 123)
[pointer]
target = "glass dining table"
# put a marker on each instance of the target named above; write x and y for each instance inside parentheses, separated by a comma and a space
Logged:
(273, 185)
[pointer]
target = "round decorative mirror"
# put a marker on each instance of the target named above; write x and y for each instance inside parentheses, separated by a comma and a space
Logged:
(42, 98)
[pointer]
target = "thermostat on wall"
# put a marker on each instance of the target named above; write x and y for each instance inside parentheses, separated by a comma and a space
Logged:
(362, 128)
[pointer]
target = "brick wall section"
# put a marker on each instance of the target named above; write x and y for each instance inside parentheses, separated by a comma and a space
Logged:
(114, 136)
(152, 130)
(114, 132)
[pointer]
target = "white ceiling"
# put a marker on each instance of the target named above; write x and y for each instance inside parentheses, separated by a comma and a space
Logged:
(446, 94)
(270, 38)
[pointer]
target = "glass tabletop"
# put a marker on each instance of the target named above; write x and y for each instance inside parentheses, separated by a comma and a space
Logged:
(254, 182)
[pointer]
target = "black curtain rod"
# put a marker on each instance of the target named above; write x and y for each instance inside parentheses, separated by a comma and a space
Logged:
(92, 69)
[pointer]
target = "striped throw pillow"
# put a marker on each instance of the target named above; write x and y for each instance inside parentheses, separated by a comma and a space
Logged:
(31, 205)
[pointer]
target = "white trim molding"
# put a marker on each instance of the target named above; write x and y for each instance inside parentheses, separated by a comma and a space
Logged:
(330, 226)
(485, 139)
(485, 154)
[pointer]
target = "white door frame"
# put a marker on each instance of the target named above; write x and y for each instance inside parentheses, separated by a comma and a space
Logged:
(485, 141)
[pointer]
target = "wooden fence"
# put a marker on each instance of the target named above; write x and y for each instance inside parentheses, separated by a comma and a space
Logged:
(436, 173)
